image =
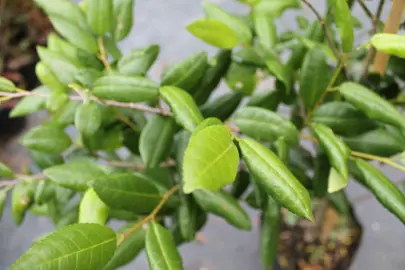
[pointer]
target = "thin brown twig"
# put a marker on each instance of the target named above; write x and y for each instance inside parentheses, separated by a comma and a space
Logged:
(151, 216)
(365, 8)
(20, 178)
(103, 56)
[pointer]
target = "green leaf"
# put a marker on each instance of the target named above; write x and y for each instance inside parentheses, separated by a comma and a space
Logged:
(123, 15)
(5, 171)
(337, 152)
(3, 200)
(92, 209)
(240, 185)
(188, 216)
(214, 32)
(30, 104)
(223, 106)
(57, 44)
(87, 77)
(267, 100)
(340, 203)
(129, 249)
(309, 44)
(211, 160)
(6, 85)
(344, 23)
(378, 142)
(269, 233)
(56, 100)
(161, 249)
(183, 106)
(125, 88)
(241, 78)
(133, 192)
(275, 8)
(22, 197)
(265, 29)
(249, 56)
(371, 104)
(217, 67)
(314, 77)
(89, 246)
(44, 192)
(224, 205)
(302, 22)
(99, 15)
(88, 118)
(265, 125)
(104, 139)
(383, 189)
(187, 73)
(66, 115)
(274, 177)
(47, 138)
(276, 68)
(156, 140)
(342, 118)
(392, 44)
(242, 30)
(47, 77)
(112, 48)
(322, 171)
(211, 121)
(75, 175)
(138, 61)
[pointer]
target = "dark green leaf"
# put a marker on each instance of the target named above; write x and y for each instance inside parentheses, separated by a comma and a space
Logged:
(340, 203)
(267, 100)
(241, 78)
(344, 23)
(138, 61)
(47, 138)
(99, 14)
(181, 142)
(240, 185)
(392, 44)
(123, 15)
(321, 175)
(5, 171)
(223, 106)
(188, 214)
(123, 215)
(88, 118)
(6, 85)
(104, 139)
(92, 209)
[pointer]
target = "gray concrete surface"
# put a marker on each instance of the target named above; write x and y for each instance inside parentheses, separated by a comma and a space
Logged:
(162, 22)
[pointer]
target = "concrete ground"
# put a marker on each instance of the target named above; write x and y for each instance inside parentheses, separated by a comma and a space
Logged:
(163, 22)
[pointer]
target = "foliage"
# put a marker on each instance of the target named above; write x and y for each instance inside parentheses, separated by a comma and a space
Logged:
(191, 154)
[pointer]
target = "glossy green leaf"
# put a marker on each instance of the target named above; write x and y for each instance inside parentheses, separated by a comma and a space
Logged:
(342, 118)
(242, 30)
(161, 249)
(88, 246)
(156, 140)
(371, 104)
(138, 61)
(92, 209)
(99, 14)
(123, 15)
(211, 160)
(274, 177)
(187, 73)
(241, 78)
(337, 152)
(267, 100)
(5, 171)
(383, 189)
(275, 8)
(30, 104)
(276, 68)
(211, 121)
(22, 197)
(376, 142)
(240, 185)
(214, 32)
(392, 44)
(224, 205)
(265, 29)
(314, 77)
(265, 125)
(188, 214)
(6, 85)
(47, 138)
(344, 23)
(3, 200)
(183, 106)
(88, 118)
(223, 106)
(75, 175)
(125, 88)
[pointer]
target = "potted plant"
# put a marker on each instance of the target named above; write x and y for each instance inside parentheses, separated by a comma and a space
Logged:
(189, 155)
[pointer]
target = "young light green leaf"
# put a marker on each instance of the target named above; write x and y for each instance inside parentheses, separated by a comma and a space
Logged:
(392, 44)
(241, 29)
(161, 249)
(223, 106)
(211, 121)
(224, 205)
(183, 106)
(88, 118)
(138, 61)
(6, 85)
(156, 140)
(47, 77)
(266, 125)
(336, 181)
(265, 29)
(371, 104)
(56, 100)
(344, 23)
(123, 18)
(92, 209)
(274, 177)
(275, 8)
(187, 73)
(3, 200)
(5, 171)
(267, 100)
(75, 175)
(314, 77)
(126, 89)
(241, 78)
(211, 160)
(89, 246)
(383, 189)
(30, 104)
(337, 152)
(343, 118)
(99, 15)
(48, 138)
(214, 32)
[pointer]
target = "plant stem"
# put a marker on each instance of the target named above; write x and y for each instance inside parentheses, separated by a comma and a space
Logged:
(151, 216)
(20, 178)
(103, 56)
(366, 9)
(378, 158)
